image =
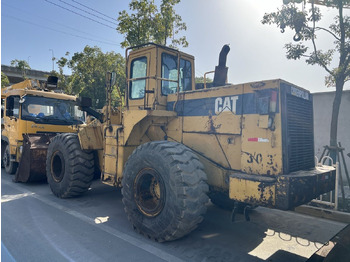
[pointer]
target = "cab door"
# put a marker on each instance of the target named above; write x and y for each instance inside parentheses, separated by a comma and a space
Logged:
(12, 122)
(141, 87)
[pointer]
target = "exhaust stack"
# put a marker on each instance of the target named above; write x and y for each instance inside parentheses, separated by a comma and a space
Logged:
(220, 76)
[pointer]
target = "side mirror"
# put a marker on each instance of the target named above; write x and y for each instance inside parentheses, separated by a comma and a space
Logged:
(10, 102)
(111, 78)
(51, 82)
(2, 113)
(84, 102)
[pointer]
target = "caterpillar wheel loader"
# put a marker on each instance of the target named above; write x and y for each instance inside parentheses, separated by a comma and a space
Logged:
(175, 143)
(33, 115)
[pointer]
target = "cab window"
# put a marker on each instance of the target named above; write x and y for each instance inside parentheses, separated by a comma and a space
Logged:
(170, 72)
(185, 75)
(138, 70)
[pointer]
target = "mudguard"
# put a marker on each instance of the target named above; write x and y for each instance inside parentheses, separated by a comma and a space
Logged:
(33, 159)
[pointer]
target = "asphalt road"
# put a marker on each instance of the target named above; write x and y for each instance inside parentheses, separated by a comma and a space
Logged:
(37, 226)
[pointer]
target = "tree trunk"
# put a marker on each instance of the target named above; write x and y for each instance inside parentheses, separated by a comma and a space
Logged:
(335, 114)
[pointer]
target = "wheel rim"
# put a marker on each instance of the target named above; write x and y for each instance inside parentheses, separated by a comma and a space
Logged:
(57, 166)
(6, 158)
(149, 192)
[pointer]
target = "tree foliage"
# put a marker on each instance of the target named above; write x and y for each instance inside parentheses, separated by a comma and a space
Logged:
(304, 22)
(201, 80)
(22, 65)
(145, 23)
(4, 80)
(89, 69)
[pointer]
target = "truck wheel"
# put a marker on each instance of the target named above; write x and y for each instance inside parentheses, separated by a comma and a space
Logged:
(164, 190)
(69, 169)
(10, 166)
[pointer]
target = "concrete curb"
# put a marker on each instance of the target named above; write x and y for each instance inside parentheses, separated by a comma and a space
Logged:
(324, 213)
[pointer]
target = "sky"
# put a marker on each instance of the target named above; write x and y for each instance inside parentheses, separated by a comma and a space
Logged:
(37, 30)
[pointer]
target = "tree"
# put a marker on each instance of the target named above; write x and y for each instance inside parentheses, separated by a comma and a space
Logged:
(4, 80)
(201, 79)
(168, 24)
(22, 65)
(147, 24)
(89, 68)
(304, 23)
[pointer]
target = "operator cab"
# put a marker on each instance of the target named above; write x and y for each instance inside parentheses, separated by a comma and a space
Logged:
(153, 73)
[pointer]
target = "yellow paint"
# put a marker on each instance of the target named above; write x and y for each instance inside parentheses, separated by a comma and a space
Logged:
(14, 127)
(226, 142)
(248, 191)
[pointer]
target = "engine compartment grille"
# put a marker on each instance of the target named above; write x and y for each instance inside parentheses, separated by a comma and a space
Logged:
(298, 142)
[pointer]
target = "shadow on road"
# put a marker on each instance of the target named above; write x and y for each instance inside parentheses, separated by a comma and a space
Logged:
(271, 235)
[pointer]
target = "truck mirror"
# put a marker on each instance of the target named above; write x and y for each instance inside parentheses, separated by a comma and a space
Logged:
(111, 78)
(2, 113)
(51, 82)
(10, 102)
(84, 102)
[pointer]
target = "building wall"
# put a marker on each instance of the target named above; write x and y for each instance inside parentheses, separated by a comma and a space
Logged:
(323, 103)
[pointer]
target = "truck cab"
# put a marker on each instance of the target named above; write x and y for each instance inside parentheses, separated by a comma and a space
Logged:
(154, 72)
(30, 108)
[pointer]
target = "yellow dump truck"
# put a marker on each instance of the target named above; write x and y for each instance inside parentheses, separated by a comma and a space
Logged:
(175, 143)
(32, 115)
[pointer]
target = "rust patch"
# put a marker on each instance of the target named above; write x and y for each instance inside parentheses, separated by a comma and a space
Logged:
(32, 165)
(210, 124)
(257, 84)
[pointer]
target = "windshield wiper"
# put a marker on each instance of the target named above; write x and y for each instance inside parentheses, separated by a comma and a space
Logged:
(54, 120)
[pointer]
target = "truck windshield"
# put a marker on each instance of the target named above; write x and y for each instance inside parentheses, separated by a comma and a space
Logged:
(50, 111)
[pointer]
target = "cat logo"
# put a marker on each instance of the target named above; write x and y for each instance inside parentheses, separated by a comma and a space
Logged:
(224, 104)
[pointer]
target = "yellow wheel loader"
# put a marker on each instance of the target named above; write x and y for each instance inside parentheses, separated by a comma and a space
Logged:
(175, 143)
(32, 115)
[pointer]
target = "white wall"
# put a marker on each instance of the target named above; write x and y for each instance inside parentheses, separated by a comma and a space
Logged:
(323, 103)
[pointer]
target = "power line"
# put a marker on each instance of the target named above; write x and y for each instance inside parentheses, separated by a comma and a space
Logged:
(79, 14)
(95, 11)
(60, 31)
(99, 17)
(60, 24)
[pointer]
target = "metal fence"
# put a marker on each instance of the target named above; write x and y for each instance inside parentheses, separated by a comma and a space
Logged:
(329, 200)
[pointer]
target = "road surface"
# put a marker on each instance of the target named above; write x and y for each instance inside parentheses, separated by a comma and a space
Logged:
(37, 226)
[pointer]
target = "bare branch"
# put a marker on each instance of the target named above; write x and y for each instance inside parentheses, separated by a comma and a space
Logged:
(319, 61)
(328, 31)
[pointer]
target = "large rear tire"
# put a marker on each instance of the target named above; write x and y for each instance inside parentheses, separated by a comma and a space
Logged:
(69, 169)
(10, 166)
(164, 190)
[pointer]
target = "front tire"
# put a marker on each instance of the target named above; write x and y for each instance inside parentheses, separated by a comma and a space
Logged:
(164, 190)
(69, 169)
(10, 166)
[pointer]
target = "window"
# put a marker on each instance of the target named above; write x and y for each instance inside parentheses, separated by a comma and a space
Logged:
(138, 70)
(170, 71)
(51, 111)
(185, 75)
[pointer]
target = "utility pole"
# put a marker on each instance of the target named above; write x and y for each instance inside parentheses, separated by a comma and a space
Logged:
(53, 59)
